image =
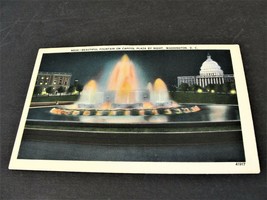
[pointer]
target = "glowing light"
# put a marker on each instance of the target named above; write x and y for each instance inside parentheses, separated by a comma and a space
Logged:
(199, 90)
(212, 91)
(86, 113)
(75, 92)
(233, 91)
(76, 113)
(155, 112)
(141, 112)
(127, 112)
(147, 105)
(167, 111)
(44, 92)
(106, 105)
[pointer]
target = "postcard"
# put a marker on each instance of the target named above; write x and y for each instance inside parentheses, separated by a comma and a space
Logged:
(159, 109)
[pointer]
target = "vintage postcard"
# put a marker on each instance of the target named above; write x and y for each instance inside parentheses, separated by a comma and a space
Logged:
(163, 109)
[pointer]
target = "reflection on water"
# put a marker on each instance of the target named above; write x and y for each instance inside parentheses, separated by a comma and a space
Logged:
(215, 112)
(158, 119)
(218, 113)
(219, 152)
(112, 119)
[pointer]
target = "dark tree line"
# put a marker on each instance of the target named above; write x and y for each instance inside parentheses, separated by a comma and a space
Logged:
(50, 90)
(218, 88)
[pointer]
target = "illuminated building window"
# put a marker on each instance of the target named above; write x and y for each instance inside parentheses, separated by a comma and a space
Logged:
(42, 77)
(41, 83)
(45, 83)
(47, 78)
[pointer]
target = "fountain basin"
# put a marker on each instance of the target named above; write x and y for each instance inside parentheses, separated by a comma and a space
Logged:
(123, 112)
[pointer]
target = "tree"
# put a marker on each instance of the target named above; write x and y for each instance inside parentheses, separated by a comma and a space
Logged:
(210, 87)
(79, 88)
(71, 89)
(226, 87)
(194, 87)
(173, 88)
(183, 87)
(61, 89)
(50, 90)
(218, 88)
(37, 90)
(232, 86)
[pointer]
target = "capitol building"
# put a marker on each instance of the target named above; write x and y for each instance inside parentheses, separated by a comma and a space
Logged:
(210, 73)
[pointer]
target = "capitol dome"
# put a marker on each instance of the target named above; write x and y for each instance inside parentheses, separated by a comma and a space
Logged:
(210, 68)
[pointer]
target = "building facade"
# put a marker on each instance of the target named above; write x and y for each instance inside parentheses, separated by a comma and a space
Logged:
(210, 73)
(54, 79)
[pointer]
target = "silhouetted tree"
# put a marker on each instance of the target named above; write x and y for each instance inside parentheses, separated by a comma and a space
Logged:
(71, 89)
(194, 87)
(61, 89)
(183, 87)
(210, 87)
(232, 85)
(226, 87)
(37, 90)
(173, 88)
(79, 88)
(218, 88)
(50, 90)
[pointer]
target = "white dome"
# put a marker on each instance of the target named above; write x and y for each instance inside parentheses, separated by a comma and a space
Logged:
(210, 68)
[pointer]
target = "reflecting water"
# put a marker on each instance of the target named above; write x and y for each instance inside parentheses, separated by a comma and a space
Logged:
(213, 113)
(219, 152)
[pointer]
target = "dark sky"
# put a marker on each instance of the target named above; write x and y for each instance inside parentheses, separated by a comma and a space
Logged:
(150, 65)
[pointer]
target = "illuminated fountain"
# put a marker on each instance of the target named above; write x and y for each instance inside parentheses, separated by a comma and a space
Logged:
(124, 95)
(90, 96)
(123, 82)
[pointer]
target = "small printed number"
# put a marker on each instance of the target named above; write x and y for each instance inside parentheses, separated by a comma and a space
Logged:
(240, 164)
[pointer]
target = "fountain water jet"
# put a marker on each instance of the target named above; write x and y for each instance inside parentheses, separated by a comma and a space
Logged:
(160, 91)
(90, 96)
(123, 81)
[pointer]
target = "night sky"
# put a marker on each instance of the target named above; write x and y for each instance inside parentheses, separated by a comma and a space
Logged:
(150, 65)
